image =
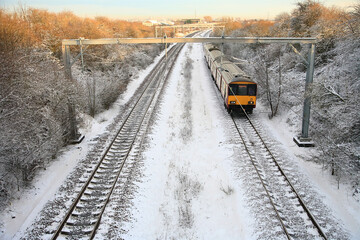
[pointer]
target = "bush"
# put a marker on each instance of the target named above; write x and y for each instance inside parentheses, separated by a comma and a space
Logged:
(33, 120)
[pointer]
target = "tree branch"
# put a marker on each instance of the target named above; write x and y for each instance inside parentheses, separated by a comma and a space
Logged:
(332, 91)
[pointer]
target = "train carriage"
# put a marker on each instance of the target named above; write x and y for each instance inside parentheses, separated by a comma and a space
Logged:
(237, 88)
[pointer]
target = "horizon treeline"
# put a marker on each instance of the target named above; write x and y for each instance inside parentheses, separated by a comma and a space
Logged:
(31, 27)
(309, 18)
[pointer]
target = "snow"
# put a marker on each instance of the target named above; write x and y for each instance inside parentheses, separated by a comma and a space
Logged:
(188, 191)
(190, 188)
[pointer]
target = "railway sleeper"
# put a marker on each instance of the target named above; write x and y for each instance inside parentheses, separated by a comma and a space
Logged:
(110, 160)
(107, 162)
(124, 136)
(72, 232)
(87, 222)
(107, 176)
(97, 193)
(101, 181)
(85, 214)
(93, 200)
(118, 149)
(99, 187)
(115, 155)
(106, 171)
(128, 126)
(115, 158)
(92, 204)
(115, 144)
(125, 141)
(262, 175)
(109, 166)
(102, 177)
(124, 146)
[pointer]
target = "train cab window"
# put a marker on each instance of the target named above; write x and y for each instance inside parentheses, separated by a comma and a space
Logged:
(237, 89)
(252, 90)
(232, 89)
(242, 90)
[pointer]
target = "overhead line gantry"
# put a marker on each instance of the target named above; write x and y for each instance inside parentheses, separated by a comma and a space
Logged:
(303, 140)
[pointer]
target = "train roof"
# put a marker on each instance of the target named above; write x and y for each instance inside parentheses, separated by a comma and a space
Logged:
(233, 73)
(229, 70)
(210, 47)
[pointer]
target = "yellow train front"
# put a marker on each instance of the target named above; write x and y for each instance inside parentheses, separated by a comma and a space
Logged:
(237, 88)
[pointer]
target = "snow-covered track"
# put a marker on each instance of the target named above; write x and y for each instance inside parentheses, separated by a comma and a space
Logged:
(84, 216)
(295, 218)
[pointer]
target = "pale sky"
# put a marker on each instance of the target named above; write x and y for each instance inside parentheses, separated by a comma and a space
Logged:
(157, 9)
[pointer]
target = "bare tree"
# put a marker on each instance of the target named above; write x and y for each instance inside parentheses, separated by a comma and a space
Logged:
(272, 85)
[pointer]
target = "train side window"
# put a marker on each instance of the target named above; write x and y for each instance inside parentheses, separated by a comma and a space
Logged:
(252, 89)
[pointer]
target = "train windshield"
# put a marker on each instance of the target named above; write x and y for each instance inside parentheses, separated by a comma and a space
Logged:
(252, 89)
(242, 89)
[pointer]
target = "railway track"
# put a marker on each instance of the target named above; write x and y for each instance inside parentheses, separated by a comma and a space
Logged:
(294, 217)
(84, 216)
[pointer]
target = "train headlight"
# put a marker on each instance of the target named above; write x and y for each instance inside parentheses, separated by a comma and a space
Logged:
(250, 102)
(232, 102)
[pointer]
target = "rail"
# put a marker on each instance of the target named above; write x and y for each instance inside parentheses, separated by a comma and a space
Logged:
(113, 161)
(302, 203)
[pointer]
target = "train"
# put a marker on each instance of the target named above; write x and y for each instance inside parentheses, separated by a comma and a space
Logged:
(237, 89)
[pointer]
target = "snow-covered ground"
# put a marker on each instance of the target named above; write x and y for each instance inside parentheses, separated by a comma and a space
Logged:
(188, 191)
(190, 187)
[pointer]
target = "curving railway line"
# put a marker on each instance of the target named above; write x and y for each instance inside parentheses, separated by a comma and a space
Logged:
(294, 217)
(84, 216)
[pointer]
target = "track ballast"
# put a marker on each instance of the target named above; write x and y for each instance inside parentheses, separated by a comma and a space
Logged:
(84, 215)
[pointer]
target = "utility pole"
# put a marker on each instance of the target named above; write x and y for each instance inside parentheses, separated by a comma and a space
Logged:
(75, 137)
(304, 140)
